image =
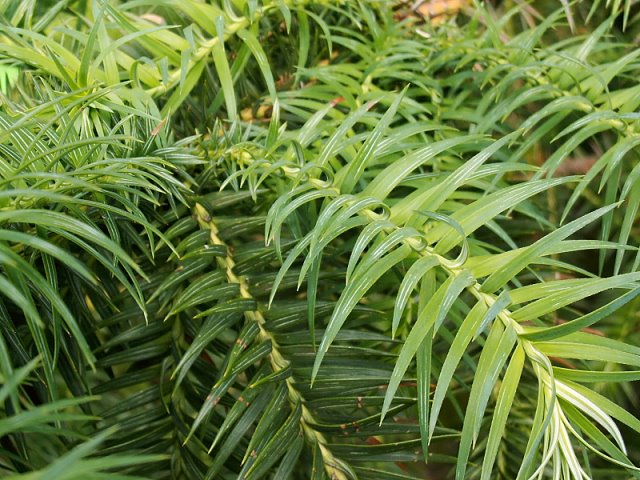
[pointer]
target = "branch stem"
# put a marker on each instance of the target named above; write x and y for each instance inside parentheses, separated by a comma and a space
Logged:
(335, 468)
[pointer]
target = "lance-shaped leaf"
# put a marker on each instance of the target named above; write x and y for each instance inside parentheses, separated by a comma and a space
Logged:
(413, 276)
(529, 254)
(428, 320)
(495, 353)
(352, 293)
(506, 395)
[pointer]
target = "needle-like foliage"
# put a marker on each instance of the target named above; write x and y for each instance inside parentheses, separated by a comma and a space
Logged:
(326, 240)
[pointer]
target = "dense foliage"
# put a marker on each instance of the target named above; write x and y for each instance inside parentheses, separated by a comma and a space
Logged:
(316, 239)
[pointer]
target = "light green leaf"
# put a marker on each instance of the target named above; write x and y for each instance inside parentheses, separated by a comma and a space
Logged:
(506, 395)
(409, 282)
(529, 254)
(428, 320)
(352, 293)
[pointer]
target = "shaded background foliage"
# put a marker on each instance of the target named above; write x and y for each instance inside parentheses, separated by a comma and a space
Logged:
(199, 198)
